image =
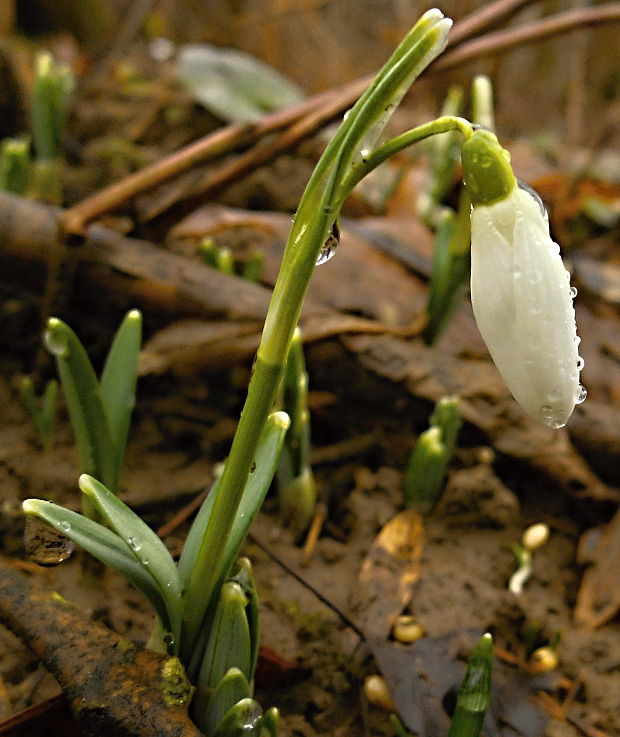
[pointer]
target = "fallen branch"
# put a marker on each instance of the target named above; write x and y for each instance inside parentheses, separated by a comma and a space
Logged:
(114, 688)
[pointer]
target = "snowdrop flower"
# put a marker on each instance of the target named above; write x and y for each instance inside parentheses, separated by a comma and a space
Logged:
(520, 290)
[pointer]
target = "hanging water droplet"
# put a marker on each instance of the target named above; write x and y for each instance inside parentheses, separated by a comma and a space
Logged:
(535, 196)
(581, 396)
(44, 545)
(572, 292)
(135, 543)
(580, 363)
(329, 247)
(546, 413)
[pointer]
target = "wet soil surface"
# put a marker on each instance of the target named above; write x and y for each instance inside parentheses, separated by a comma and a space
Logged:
(452, 578)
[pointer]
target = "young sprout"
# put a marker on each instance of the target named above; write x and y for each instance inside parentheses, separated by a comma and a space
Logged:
(543, 660)
(100, 411)
(444, 153)
(52, 89)
(475, 692)
(407, 629)
(217, 257)
(376, 691)
(15, 165)
(533, 537)
(296, 486)
(482, 108)
(253, 267)
(43, 410)
(426, 469)
(520, 290)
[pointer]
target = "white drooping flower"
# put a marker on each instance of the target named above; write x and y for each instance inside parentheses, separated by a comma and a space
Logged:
(520, 289)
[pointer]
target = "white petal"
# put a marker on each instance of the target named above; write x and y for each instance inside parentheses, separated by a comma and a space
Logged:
(523, 306)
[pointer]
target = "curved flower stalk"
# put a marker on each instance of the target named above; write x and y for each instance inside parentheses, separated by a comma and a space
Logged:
(520, 290)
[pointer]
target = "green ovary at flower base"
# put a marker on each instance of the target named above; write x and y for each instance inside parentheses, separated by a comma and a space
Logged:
(520, 290)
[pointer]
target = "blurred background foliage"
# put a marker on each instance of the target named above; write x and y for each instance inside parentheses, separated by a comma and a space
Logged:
(567, 82)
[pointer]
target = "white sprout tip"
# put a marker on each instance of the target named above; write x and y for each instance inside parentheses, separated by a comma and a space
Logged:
(535, 536)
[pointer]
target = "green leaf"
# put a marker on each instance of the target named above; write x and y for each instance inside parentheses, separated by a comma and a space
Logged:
(234, 85)
(474, 692)
(245, 578)
(243, 720)
(267, 456)
(231, 689)
(146, 547)
(118, 383)
(86, 409)
(228, 643)
(270, 723)
(102, 544)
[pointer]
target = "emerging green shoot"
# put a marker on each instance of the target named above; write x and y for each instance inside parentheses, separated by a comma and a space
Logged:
(100, 412)
(445, 152)
(52, 90)
(474, 693)
(426, 469)
(451, 253)
(217, 257)
(43, 410)
(15, 165)
(296, 486)
(533, 537)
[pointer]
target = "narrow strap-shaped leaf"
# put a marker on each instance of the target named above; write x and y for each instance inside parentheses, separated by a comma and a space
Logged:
(474, 692)
(230, 690)
(244, 719)
(143, 544)
(118, 382)
(256, 489)
(81, 390)
(102, 544)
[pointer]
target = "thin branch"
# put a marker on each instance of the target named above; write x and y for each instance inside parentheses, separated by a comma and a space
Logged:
(316, 111)
(571, 20)
(113, 687)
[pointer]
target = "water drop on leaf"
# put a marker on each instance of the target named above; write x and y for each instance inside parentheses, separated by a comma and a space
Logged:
(44, 545)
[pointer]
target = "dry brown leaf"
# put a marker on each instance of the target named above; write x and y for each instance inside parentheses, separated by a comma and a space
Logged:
(599, 595)
(390, 572)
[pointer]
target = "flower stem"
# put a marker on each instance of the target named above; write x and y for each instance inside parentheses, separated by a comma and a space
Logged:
(318, 209)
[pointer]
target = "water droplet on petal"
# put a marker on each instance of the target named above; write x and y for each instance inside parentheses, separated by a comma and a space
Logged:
(45, 545)
(535, 196)
(580, 363)
(546, 413)
(329, 247)
(572, 292)
(581, 396)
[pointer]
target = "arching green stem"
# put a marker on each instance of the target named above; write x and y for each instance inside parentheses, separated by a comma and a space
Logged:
(329, 185)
